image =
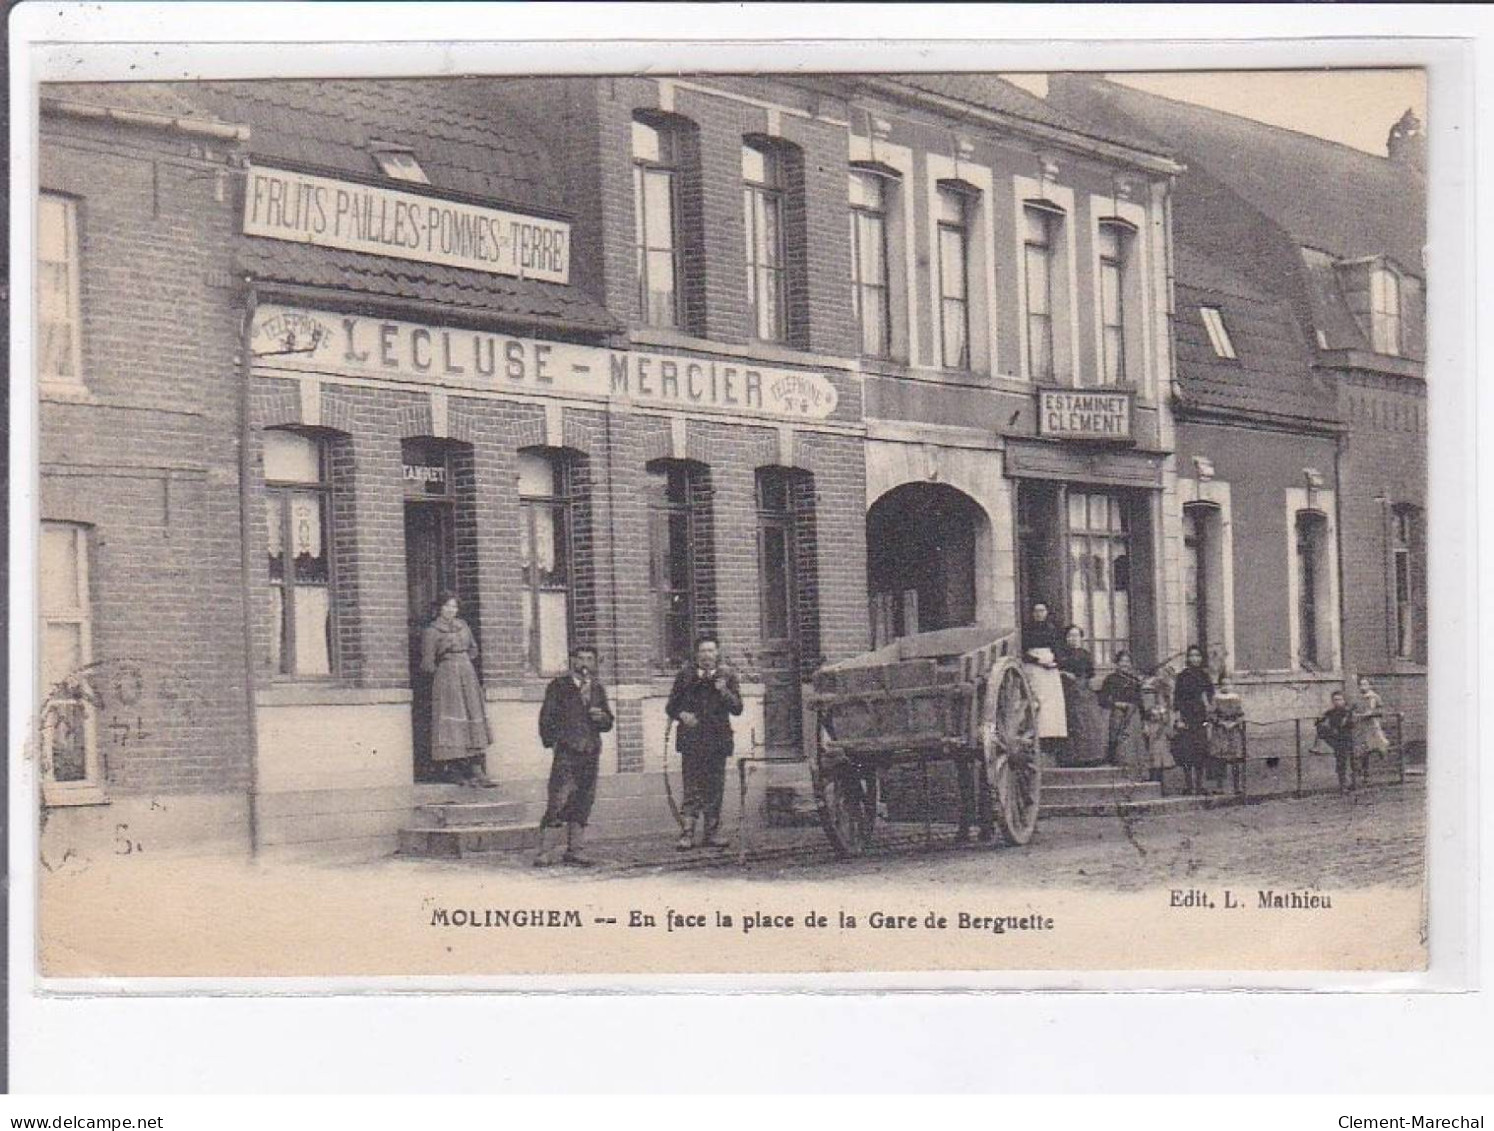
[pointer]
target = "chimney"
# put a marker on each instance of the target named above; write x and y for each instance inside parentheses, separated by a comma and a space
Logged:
(1407, 143)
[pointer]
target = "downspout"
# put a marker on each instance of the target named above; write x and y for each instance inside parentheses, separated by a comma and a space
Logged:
(245, 360)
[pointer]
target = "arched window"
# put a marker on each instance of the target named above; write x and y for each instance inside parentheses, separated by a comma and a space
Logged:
(546, 558)
(1042, 232)
(763, 184)
(658, 238)
(678, 519)
(871, 281)
(954, 207)
(1115, 246)
(298, 526)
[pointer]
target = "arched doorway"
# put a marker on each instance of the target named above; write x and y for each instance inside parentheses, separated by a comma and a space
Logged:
(921, 545)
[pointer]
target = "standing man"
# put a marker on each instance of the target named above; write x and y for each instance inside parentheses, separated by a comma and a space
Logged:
(704, 697)
(572, 721)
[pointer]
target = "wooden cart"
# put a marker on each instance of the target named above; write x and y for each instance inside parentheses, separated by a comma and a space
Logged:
(956, 696)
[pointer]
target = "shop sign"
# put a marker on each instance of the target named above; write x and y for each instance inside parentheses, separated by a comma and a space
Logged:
(423, 479)
(301, 208)
(1085, 414)
(326, 342)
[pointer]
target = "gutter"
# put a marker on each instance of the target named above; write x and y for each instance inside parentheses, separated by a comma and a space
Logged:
(1114, 151)
(199, 127)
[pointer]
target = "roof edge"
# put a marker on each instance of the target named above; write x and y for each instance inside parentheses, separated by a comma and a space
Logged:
(201, 127)
(1145, 159)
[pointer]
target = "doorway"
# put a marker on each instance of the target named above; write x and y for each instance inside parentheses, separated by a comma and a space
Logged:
(430, 569)
(920, 556)
(781, 654)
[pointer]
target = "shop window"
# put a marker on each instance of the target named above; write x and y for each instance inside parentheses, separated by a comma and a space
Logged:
(58, 319)
(1042, 231)
(1099, 533)
(1115, 246)
(871, 290)
(763, 215)
(953, 212)
(546, 559)
(1219, 339)
(298, 520)
(1408, 566)
(1385, 311)
(676, 505)
(69, 726)
(1314, 595)
(658, 241)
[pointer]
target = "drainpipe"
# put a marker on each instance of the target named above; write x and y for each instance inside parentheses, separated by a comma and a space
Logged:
(1338, 544)
(251, 301)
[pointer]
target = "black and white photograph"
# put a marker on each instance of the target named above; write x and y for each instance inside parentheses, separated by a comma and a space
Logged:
(728, 522)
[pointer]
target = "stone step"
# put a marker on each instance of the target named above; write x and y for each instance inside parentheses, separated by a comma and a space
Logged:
(1153, 805)
(465, 814)
(1085, 775)
(1100, 794)
(470, 840)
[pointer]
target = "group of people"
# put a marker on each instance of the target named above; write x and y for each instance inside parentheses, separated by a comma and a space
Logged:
(1202, 731)
(574, 716)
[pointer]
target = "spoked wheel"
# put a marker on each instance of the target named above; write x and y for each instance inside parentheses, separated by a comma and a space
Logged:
(1009, 738)
(847, 809)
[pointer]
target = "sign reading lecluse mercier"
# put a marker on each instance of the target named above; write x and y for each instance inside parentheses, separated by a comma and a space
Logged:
(302, 208)
(1085, 414)
(318, 341)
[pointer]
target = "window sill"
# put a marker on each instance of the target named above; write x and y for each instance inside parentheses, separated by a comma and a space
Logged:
(65, 392)
(754, 350)
(72, 796)
(328, 695)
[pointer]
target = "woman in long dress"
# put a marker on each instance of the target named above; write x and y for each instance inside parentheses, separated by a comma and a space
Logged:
(459, 720)
(1192, 699)
(1120, 695)
(1369, 734)
(1076, 665)
(1041, 641)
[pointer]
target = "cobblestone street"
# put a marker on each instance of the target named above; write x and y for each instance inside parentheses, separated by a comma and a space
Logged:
(1376, 836)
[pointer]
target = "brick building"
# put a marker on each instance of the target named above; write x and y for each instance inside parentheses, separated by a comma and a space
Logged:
(1301, 344)
(807, 363)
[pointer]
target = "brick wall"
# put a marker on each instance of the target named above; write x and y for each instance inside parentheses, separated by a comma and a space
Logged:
(149, 460)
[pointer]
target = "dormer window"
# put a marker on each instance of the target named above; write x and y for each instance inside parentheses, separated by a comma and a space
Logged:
(1385, 311)
(399, 162)
(1213, 320)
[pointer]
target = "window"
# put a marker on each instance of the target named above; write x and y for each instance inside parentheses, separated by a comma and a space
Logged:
(871, 290)
(1213, 320)
(299, 530)
(70, 755)
(1385, 311)
(399, 162)
(762, 210)
(1114, 246)
(674, 488)
(1100, 571)
(1409, 574)
(656, 189)
(1037, 272)
(954, 278)
(545, 559)
(775, 534)
(57, 269)
(1314, 644)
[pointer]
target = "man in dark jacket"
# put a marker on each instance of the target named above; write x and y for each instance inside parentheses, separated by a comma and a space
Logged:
(572, 721)
(704, 697)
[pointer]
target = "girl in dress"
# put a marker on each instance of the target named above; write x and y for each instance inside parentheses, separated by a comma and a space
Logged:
(459, 721)
(1369, 734)
(1120, 695)
(1228, 739)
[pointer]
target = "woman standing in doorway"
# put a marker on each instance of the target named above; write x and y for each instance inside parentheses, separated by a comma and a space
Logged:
(1120, 694)
(1081, 715)
(1041, 641)
(459, 721)
(1192, 700)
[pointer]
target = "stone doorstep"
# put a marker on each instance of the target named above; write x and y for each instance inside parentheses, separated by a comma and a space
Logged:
(471, 840)
(466, 814)
(1116, 793)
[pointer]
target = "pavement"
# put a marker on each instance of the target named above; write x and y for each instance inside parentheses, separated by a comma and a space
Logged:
(1373, 836)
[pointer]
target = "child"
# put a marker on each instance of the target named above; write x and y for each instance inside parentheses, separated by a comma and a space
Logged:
(1336, 728)
(1228, 737)
(1369, 735)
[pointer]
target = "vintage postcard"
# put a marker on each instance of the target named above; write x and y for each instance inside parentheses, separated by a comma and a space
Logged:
(731, 523)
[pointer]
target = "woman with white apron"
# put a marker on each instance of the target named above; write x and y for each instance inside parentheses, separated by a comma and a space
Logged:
(1041, 640)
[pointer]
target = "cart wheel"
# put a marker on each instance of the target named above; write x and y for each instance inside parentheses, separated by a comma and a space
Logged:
(846, 810)
(1010, 747)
